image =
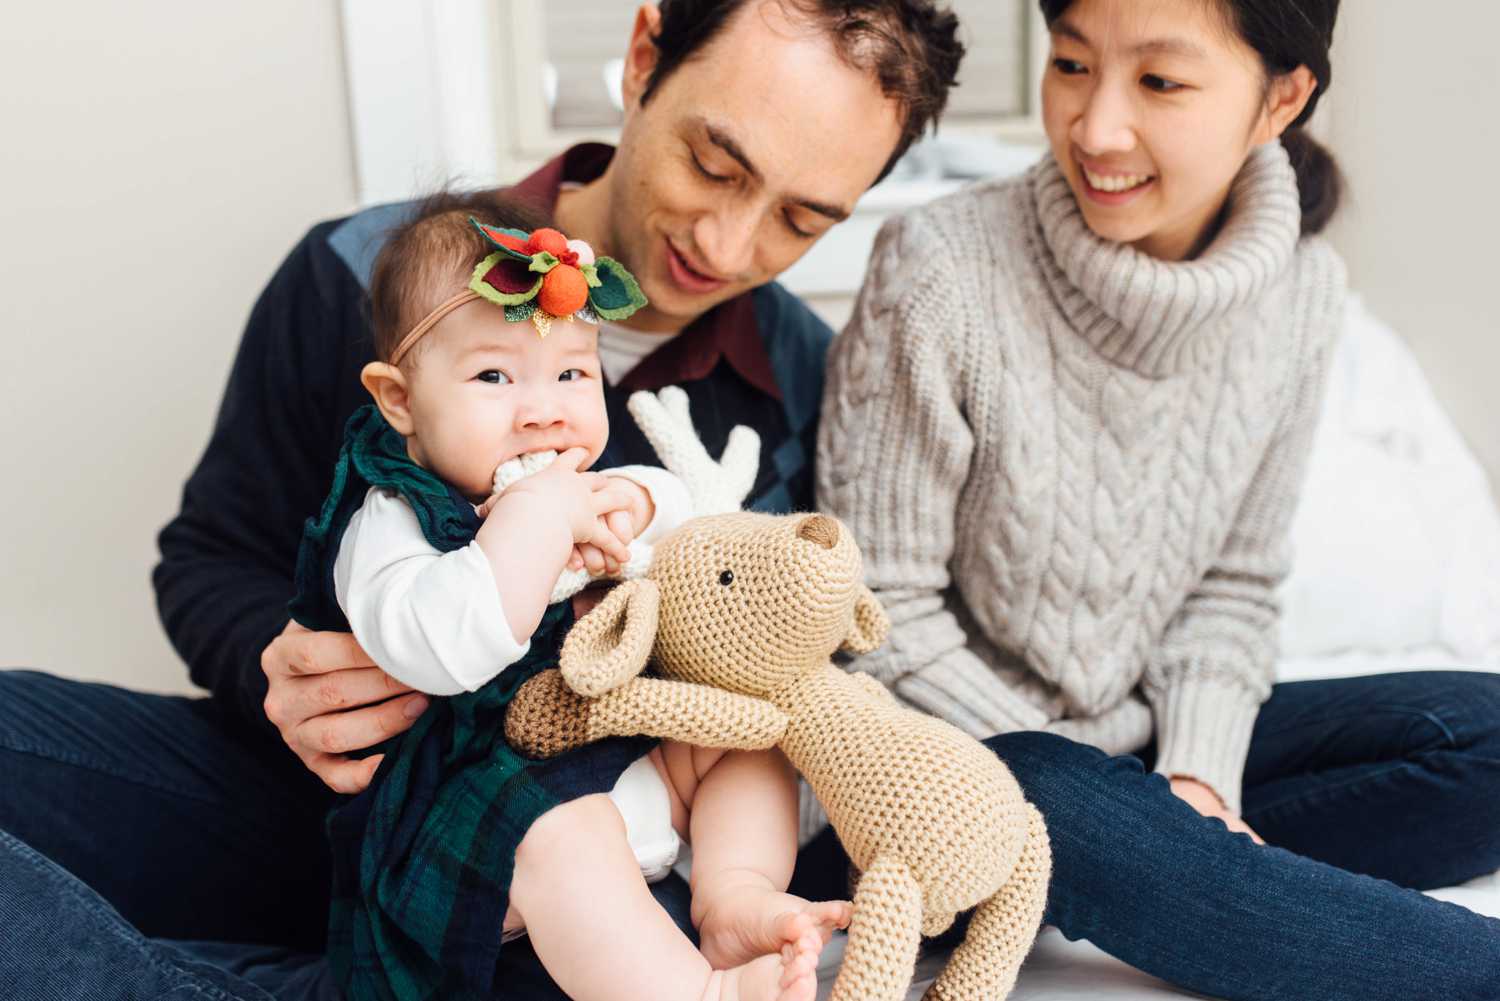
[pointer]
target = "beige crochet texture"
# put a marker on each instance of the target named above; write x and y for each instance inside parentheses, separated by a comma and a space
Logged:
(740, 614)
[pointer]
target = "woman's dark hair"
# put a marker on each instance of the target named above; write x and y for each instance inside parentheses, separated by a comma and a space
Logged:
(910, 46)
(431, 254)
(1286, 34)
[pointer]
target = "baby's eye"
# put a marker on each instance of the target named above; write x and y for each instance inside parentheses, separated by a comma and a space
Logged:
(570, 375)
(1068, 67)
(493, 376)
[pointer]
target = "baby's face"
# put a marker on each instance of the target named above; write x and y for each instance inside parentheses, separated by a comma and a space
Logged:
(484, 391)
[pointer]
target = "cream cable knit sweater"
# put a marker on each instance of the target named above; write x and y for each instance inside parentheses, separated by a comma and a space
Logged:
(1072, 467)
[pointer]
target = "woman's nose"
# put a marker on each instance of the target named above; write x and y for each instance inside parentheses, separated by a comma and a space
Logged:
(1107, 124)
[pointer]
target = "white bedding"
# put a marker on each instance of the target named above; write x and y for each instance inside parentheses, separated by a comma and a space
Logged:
(1397, 542)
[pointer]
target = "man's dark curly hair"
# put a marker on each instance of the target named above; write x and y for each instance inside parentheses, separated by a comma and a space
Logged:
(910, 46)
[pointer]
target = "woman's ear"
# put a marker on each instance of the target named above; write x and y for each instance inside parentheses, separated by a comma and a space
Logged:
(1288, 95)
(611, 644)
(870, 624)
(387, 384)
(641, 55)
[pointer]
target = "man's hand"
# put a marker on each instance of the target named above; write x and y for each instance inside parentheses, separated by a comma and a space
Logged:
(1207, 802)
(328, 698)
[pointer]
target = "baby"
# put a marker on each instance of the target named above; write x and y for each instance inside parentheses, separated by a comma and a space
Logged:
(444, 557)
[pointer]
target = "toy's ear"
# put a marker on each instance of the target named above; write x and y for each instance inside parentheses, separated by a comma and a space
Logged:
(611, 644)
(870, 624)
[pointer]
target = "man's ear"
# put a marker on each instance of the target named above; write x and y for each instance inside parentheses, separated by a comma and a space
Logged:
(870, 624)
(642, 54)
(611, 644)
(387, 384)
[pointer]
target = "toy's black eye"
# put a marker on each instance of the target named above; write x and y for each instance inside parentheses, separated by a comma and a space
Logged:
(726, 578)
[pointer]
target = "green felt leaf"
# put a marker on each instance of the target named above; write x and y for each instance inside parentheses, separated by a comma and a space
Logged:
(591, 275)
(617, 295)
(488, 291)
(543, 262)
(520, 311)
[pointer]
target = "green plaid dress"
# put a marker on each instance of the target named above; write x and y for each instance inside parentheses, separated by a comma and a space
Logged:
(423, 857)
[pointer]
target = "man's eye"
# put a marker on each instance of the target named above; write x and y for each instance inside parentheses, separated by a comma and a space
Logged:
(571, 375)
(1068, 67)
(710, 175)
(1159, 84)
(797, 231)
(493, 376)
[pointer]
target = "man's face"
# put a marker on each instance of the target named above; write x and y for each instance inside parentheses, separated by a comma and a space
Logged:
(739, 161)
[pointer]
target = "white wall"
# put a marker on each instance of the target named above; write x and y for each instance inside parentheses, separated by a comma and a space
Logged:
(156, 162)
(1416, 126)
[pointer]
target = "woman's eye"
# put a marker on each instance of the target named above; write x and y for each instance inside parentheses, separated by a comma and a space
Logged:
(710, 175)
(1067, 67)
(493, 376)
(1159, 84)
(571, 375)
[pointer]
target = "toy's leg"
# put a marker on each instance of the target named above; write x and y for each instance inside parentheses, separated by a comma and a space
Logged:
(984, 966)
(884, 936)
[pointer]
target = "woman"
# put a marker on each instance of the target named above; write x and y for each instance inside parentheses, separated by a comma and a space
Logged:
(1068, 423)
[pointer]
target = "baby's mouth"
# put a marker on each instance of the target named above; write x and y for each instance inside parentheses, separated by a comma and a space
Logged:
(522, 466)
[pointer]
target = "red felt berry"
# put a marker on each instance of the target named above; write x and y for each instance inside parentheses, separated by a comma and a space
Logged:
(549, 241)
(564, 291)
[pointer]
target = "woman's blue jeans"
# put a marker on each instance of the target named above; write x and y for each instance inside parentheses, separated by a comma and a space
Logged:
(132, 822)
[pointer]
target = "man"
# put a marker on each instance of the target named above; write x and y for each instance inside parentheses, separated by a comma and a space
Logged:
(752, 127)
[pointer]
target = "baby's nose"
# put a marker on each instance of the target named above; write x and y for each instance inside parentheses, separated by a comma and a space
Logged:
(820, 529)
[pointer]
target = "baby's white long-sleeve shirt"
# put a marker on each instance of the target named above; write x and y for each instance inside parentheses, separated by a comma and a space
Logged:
(433, 620)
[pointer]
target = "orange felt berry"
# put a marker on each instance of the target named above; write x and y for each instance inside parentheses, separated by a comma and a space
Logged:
(548, 240)
(564, 291)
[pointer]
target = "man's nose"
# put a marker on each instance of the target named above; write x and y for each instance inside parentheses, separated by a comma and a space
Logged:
(726, 239)
(1107, 124)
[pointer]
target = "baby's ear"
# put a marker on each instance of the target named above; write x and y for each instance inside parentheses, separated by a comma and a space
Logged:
(870, 624)
(611, 644)
(387, 384)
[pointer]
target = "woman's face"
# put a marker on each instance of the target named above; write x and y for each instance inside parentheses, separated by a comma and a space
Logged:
(1151, 107)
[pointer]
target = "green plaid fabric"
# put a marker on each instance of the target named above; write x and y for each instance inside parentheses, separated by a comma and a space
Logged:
(423, 858)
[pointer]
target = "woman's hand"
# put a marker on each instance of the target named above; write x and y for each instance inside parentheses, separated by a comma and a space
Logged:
(1207, 802)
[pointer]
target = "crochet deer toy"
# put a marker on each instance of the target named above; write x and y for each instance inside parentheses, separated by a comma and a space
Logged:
(740, 614)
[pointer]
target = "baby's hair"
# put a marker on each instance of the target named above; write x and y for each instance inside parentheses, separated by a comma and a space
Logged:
(431, 256)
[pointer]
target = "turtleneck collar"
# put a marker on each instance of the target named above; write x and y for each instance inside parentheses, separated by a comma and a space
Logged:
(1142, 313)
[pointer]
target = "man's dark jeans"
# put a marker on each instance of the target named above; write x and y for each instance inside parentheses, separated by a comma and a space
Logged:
(149, 848)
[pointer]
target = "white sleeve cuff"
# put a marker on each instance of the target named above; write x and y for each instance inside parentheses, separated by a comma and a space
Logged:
(668, 493)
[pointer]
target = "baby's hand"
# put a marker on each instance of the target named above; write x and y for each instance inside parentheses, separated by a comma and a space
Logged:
(626, 524)
(581, 499)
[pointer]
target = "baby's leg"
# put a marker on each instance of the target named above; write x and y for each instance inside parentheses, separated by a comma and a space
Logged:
(741, 813)
(600, 934)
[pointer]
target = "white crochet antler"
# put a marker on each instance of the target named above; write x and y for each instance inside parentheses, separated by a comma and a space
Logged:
(715, 487)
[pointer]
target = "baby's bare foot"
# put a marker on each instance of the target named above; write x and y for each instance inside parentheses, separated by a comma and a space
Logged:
(750, 921)
(790, 976)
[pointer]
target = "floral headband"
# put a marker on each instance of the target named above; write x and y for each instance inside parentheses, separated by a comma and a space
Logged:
(541, 276)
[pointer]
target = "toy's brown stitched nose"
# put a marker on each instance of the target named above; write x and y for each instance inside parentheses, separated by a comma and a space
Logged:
(820, 529)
